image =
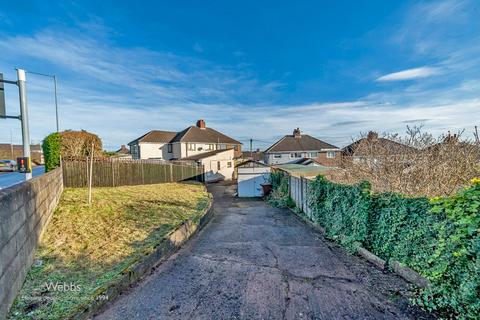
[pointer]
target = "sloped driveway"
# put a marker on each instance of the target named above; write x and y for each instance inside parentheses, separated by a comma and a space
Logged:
(253, 261)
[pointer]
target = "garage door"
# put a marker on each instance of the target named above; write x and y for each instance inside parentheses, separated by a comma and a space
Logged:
(249, 185)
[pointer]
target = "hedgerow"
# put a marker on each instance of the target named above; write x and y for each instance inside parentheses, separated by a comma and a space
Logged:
(51, 147)
(69, 144)
(342, 210)
(439, 238)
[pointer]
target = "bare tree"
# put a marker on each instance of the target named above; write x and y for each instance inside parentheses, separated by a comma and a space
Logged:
(417, 164)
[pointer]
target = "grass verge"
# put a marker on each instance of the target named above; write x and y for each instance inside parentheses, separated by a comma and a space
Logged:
(88, 246)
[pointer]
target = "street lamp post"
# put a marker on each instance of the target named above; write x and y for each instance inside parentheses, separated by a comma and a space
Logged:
(24, 117)
(54, 77)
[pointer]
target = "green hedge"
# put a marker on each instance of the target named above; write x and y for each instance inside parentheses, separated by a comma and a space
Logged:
(439, 238)
(279, 196)
(51, 150)
(342, 210)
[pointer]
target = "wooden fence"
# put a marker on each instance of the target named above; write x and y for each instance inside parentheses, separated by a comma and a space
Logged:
(298, 190)
(113, 173)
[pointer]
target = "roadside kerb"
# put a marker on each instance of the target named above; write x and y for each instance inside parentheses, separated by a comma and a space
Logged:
(135, 272)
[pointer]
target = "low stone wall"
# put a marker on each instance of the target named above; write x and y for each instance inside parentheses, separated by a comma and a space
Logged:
(25, 210)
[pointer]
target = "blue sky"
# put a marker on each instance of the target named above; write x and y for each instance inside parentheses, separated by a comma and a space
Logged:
(252, 69)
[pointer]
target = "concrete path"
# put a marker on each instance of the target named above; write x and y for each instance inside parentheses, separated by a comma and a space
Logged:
(253, 261)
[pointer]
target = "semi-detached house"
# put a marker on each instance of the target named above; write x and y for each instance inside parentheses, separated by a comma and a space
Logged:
(298, 146)
(201, 144)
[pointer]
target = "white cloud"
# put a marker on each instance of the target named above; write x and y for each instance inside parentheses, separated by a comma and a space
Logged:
(409, 74)
(120, 93)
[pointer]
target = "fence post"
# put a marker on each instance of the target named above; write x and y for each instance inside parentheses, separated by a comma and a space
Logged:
(301, 192)
(290, 186)
(113, 174)
(171, 173)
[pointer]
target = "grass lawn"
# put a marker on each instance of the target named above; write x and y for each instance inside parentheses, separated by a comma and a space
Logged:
(86, 247)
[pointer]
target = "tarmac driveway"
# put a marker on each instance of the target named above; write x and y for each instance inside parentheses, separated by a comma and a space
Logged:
(253, 261)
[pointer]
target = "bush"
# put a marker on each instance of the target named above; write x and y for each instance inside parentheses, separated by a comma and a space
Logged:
(79, 144)
(280, 197)
(454, 266)
(342, 210)
(51, 146)
(402, 229)
(439, 238)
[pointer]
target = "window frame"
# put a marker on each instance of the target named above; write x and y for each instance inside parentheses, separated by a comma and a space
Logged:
(191, 146)
(277, 156)
(169, 148)
(329, 154)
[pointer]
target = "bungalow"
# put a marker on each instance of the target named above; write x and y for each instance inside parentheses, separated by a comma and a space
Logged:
(372, 148)
(292, 148)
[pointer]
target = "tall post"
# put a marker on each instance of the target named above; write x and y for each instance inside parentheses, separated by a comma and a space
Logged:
(24, 118)
(56, 102)
(90, 178)
(251, 149)
(11, 145)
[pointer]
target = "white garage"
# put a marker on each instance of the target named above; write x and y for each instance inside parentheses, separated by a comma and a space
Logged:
(251, 175)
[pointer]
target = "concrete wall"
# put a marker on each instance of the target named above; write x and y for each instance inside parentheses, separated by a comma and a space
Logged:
(25, 210)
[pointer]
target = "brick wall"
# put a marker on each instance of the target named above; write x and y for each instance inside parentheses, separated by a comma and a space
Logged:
(25, 210)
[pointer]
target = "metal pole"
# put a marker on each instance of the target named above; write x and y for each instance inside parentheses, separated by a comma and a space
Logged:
(24, 117)
(56, 102)
(11, 145)
(55, 90)
(251, 150)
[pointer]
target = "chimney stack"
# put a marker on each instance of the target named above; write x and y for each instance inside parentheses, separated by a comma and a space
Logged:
(297, 133)
(201, 124)
(372, 135)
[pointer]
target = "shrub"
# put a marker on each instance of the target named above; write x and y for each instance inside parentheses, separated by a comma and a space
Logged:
(279, 196)
(342, 210)
(79, 143)
(402, 229)
(454, 266)
(418, 164)
(439, 238)
(51, 146)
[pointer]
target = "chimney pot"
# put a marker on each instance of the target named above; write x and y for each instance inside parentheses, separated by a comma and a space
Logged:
(201, 124)
(372, 135)
(297, 133)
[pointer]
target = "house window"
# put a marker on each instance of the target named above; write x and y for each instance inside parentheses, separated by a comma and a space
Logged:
(229, 164)
(235, 147)
(191, 146)
(218, 165)
(277, 156)
(222, 146)
(313, 154)
(295, 155)
(331, 154)
(210, 146)
(169, 148)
